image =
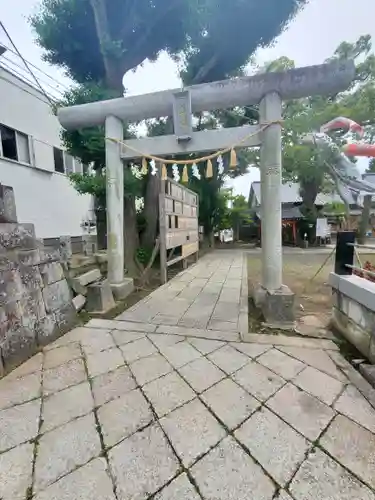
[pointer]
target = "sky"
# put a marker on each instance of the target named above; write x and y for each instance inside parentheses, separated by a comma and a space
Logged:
(310, 38)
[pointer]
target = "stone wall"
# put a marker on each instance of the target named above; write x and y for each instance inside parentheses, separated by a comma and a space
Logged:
(35, 299)
(353, 311)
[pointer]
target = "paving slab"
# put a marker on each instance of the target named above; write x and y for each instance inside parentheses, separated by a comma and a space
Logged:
(60, 355)
(230, 403)
(274, 444)
(319, 384)
(352, 446)
(251, 350)
(137, 349)
(301, 410)
(86, 483)
(228, 359)
(19, 390)
(16, 472)
(321, 478)
(32, 365)
(205, 346)
(179, 488)
(201, 374)
(162, 340)
(142, 464)
(123, 337)
(19, 424)
(104, 361)
(150, 368)
(71, 445)
(123, 416)
(167, 393)
(180, 354)
(112, 385)
(228, 473)
(258, 380)
(63, 376)
(192, 431)
(280, 363)
(352, 404)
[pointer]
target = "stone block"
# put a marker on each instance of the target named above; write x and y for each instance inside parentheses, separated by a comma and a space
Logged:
(29, 257)
(11, 287)
(51, 272)
(368, 371)
(57, 296)
(89, 243)
(66, 318)
(9, 260)
(17, 346)
(65, 248)
(99, 297)
(353, 332)
(49, 254)
(79, 302)
(8, 211)
(17, 236)
(46, 330)
(31, 278)
(122, 290)
(79, 283)
(278, 307)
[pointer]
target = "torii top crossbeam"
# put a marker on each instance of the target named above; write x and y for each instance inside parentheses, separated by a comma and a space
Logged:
(322, 79)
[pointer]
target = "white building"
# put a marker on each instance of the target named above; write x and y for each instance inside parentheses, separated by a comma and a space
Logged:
(34, 164)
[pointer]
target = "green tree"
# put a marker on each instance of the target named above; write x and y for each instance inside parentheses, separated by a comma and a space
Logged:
(238, 213)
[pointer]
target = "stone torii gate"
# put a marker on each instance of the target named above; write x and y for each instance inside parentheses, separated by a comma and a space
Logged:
(267, 89)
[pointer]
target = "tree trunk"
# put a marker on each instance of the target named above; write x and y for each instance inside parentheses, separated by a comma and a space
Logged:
(365, 218)
(101, 227)
(151, 211)
(309, 191)
(131, 238)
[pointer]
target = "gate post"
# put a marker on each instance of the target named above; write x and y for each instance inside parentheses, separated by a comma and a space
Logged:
(115, 203)
(270, 174)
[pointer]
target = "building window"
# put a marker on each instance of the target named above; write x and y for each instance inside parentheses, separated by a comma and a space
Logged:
(58, 156)
(69, 164)
(14, 145)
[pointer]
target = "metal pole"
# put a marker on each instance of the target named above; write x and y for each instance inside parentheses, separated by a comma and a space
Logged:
(115, 201)
(270, 161)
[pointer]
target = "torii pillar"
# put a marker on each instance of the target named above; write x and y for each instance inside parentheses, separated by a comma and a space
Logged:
(268, 90)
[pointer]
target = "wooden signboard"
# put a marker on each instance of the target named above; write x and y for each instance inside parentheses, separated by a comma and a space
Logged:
(178, 219)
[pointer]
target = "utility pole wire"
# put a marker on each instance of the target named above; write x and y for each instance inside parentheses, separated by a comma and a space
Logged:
(26, 64)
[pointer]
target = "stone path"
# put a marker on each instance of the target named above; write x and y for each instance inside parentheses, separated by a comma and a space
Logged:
(209, 295)
(115, 410)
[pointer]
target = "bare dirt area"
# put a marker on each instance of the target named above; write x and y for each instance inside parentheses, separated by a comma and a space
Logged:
(313, 294)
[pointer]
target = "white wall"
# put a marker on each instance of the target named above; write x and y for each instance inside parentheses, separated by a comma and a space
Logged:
(44, 197)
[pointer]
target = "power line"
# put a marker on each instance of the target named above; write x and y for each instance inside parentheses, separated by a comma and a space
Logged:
(25, 63)
(25, 77)
(39, 69)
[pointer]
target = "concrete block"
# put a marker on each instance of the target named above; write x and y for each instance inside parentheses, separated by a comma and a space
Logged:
(90, 245)
(278, 307)
(99, 297)
(356, 335)
(17, 346)
(57, 296)
(8, 260)
(8, 211)
(46, 330)
(79, 283)
(17, 236)
(122, 290)
(101, 257)
(79, 302)
(31, 278)
(32, 309)
(66, 318)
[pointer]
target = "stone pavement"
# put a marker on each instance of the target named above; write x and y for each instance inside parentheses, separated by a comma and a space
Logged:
(211, 295)
(115, 410)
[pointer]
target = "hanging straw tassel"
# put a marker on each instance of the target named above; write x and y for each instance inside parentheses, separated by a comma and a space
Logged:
(144, 168)
(209, 170)
(233, 159)
(185, 177)
(164, 173)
